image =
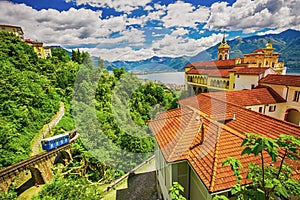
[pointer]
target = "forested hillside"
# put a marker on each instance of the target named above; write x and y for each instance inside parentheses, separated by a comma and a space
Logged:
(31, 89)
(31, 92)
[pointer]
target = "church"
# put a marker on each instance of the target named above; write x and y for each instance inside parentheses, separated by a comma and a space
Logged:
(227, 74)
(233, 97)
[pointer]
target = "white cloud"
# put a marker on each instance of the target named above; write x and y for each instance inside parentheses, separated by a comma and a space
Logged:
(122, 53)
(182, 14)
(276, 31)
(72, 27)
(174, 45)
(250, 16)
(115, 41)
(119, 5)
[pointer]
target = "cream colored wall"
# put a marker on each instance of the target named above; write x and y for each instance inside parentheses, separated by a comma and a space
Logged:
(290, 98)
(245, 81)
(164, 174)
(280, 89)
(279, 112)
(197, 188)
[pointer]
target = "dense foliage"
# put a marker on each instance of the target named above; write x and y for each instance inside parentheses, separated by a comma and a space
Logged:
(28, 99)
(268, 181)
(112, 108)
(68, 188)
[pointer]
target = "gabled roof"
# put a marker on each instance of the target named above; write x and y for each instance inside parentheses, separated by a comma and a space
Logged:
(275, 79)
(213, 63)
(251, 71)
(214, 72)
(210, 72)
(178, 135)
(256, 96)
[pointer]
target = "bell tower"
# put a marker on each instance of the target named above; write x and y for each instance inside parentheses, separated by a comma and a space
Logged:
(223, 50)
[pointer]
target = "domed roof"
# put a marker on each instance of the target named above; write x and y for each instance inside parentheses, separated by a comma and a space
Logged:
(269, 45)
(224, 46)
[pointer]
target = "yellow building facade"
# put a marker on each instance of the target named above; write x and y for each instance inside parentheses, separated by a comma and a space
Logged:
(221, 74)
(39, 49)
(16, 30)
(265, 57)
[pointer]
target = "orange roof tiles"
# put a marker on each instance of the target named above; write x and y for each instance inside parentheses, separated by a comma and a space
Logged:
(256, 96)
(251, 71)
(214, 72)
(289, 80)
(210, 72)
(213, 63)
(177, 132)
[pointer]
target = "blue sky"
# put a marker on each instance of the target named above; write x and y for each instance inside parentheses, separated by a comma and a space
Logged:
(136, 30)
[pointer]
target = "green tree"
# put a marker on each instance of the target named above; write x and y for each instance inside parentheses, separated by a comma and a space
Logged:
(61, 54)
(68, 188)
(175, 191)
(267, 180)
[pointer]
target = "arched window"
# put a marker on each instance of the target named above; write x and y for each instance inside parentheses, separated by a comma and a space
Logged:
(220, 57)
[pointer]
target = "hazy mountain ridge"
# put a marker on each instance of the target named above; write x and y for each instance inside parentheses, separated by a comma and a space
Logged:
(286, 43)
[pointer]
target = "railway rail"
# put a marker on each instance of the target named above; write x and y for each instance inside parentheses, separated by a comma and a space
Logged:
(28, 161)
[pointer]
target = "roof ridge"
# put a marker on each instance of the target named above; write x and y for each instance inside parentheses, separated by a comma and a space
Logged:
(181, 135)
(248, 110)
(214, 168)
(179, 114)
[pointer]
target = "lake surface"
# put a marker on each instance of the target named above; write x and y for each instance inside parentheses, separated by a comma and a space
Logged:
(165, 77)
(178, 77)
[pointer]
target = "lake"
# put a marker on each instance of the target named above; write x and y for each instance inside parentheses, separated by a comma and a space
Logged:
(178, 77)
(165, 77)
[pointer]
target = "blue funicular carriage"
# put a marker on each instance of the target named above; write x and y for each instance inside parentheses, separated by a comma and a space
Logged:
(55, 141)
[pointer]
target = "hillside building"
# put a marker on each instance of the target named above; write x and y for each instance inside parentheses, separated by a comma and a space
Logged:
(39, 49)
(227, 74)
(192, 142)
(16, 30)
(288, 87)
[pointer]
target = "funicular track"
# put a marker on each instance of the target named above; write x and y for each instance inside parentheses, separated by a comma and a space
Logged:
(25, 163)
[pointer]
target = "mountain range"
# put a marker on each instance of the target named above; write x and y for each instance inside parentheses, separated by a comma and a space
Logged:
(287, 43)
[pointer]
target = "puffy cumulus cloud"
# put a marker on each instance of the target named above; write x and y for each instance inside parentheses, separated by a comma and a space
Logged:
(175, 44)
(124, 38)
(172, 45)
(251, 16)
(71, 27)
(276, 31)
(53, 27)
(120, 5)
(121, 53)
(181, 14)
(113, 24)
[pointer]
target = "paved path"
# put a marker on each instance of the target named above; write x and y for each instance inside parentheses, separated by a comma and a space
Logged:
(140, 184)
(47, 128)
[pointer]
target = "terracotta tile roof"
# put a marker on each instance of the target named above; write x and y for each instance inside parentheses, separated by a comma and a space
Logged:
(210, 72)
(214, 72)
(251, 71)
(289, 80)
(178, 135)
(256, 96)
(213, 63)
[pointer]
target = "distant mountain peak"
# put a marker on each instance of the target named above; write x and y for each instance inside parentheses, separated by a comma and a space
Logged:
(287, 43)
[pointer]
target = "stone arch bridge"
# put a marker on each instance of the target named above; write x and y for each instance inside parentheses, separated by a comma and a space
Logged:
(39, 165)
